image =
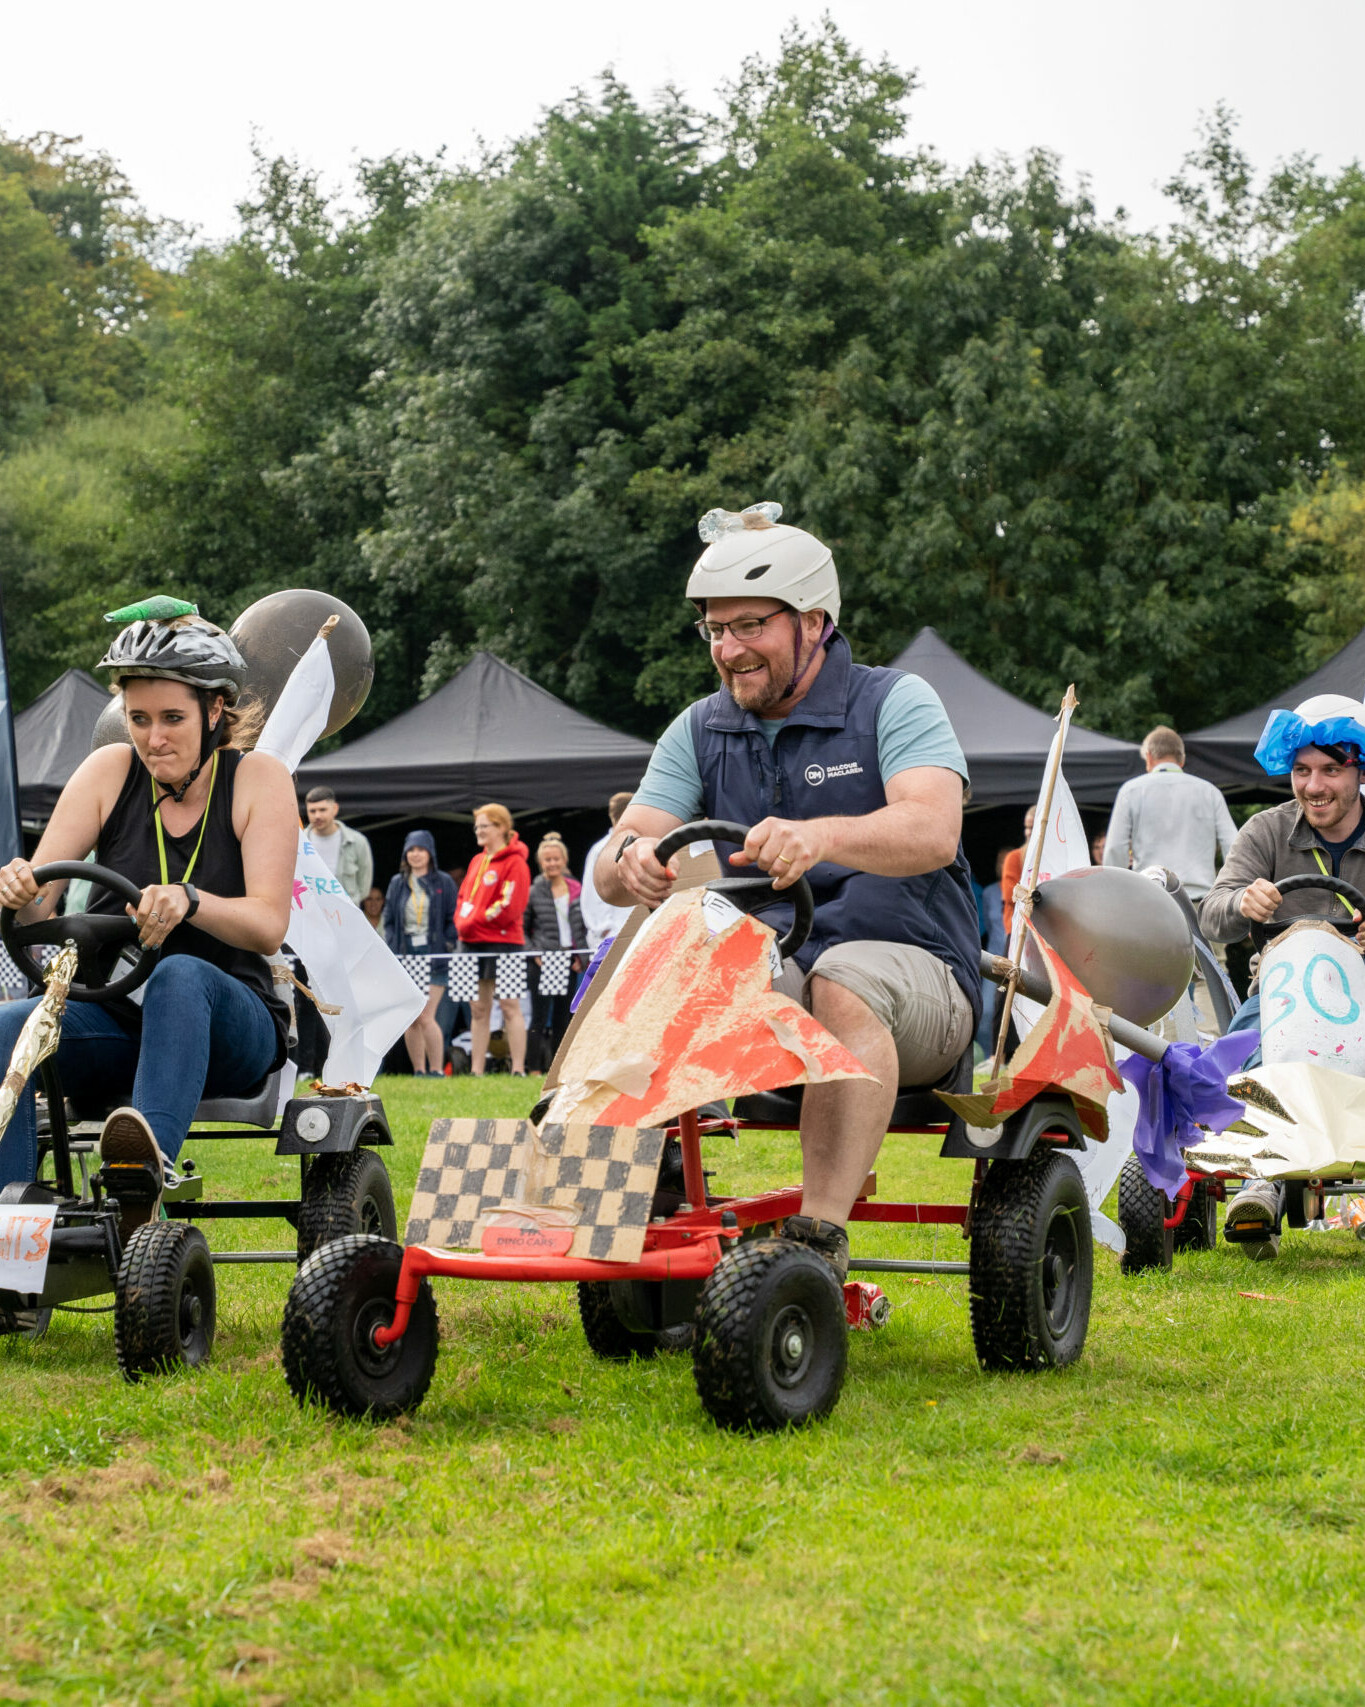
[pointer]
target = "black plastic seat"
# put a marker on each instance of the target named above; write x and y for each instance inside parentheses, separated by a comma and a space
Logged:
(915, 1106)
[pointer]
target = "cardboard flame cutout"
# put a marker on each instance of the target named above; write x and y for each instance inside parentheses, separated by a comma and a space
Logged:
(688, 1017)
(1068, 1049)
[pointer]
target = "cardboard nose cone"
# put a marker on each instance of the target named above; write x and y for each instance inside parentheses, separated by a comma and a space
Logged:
(1123, 937)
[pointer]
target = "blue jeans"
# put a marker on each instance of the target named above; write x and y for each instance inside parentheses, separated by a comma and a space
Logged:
(203, 1033)
(1248, 1018)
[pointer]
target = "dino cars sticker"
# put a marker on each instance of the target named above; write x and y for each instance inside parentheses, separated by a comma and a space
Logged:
(25, 1241)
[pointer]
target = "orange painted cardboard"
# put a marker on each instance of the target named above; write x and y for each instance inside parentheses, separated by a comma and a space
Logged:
(688, 1017)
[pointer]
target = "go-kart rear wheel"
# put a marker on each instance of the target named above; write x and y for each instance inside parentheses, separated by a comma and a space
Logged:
(1199, 1230)
(346, 1193)
(1143, 1209)
(165, 1300)
(772, 1337)
(342, 1294)
(607, 1335)
(1031, 1264)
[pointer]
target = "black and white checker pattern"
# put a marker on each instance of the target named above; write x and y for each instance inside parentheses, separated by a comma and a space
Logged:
(468, 1168)
(463, 984)
(418, 968)
(555, 971)
(471, 1168)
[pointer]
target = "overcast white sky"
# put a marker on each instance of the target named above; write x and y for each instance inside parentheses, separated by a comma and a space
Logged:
(174, 91)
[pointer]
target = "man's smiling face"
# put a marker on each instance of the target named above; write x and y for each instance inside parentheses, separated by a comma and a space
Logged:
(1328, 792)
(757, 671)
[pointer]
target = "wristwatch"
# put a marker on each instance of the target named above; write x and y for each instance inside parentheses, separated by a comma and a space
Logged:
(624, 845)
(193, 895)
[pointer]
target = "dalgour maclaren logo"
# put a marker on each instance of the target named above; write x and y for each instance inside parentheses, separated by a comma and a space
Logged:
(816, 774)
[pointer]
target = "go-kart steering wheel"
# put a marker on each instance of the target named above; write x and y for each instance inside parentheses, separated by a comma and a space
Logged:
(94, 934)
(747, 893)
(1262, 933)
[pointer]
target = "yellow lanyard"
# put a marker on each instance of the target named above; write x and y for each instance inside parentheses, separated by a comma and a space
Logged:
(1322, 867)
(420, 902)
(203, 825)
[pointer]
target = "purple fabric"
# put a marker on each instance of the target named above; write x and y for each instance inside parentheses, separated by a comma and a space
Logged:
(599, 954)
(1186, 1089)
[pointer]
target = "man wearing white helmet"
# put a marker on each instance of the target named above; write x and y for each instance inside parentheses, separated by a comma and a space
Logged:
(1320, 831)
(852, 778)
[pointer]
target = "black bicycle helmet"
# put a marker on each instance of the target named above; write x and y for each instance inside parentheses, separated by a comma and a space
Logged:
(163, 646)
(188, 649)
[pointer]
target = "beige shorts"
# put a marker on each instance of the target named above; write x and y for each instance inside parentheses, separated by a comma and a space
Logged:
(912, 993)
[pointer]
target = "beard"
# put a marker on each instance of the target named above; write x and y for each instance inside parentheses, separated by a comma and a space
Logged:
(758, 692)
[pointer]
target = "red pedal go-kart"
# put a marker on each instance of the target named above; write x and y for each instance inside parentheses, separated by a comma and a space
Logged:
(769, 1321)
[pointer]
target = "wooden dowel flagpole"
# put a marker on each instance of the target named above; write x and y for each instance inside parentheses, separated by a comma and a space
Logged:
(1030, 878)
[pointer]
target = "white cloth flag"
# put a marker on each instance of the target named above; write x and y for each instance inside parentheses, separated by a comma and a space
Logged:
(1066, 847)
(350, 966)
(301, 712)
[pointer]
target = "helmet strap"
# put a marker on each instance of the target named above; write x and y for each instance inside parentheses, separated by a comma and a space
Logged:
(210, 738)
(799, 669)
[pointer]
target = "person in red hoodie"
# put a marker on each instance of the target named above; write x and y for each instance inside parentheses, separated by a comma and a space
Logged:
(488, 922)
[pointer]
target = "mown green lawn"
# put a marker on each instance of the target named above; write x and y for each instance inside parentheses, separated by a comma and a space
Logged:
(1177, 1518)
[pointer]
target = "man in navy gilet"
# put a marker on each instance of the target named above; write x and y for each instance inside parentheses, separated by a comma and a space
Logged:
(852, 778)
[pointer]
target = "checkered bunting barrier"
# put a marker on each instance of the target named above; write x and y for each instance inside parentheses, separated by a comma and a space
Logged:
(604, 1176)
(462, 972)
(11, 978)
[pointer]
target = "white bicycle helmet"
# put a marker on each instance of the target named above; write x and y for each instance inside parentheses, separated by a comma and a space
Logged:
(751, 552)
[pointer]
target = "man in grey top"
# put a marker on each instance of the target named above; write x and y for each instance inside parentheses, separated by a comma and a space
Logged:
(1168, 818)
(344, 851)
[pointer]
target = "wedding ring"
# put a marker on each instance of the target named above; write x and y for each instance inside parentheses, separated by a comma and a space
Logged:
(783, 860)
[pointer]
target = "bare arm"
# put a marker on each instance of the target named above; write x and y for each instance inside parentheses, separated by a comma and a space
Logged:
(74, 827)
(916, 831)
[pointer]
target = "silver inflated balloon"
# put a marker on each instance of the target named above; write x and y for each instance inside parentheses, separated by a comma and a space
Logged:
(274, 633)
(111, 725)
(1124, 938)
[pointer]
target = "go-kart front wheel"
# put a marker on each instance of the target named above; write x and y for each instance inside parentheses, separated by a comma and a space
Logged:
(165, 1300)
(1031, 1264)
(342, 1294)
(772, 1337)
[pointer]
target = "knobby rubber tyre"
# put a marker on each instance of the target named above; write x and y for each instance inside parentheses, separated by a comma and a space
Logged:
(1143, 1209)
(346, 1290)
(772, 1337)
(607, 1335)
(1031, 1264)
(346, 1194)
(165, 1300)
(1199, 1230)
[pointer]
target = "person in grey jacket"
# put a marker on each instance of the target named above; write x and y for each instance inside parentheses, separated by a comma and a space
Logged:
(1171, 819)
(344, 851)
(1321, 830)
(553, 919)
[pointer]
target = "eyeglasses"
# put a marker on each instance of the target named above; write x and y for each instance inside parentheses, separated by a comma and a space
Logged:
(743, 627)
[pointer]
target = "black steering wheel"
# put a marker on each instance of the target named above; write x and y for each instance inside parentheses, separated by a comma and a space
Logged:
(749, 894)
(1262, 933)
(95, 935)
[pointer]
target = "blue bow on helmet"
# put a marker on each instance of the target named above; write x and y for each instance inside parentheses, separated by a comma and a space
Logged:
(1326, 720)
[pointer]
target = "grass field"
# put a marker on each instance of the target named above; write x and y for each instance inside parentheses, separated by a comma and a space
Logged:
(1175, 1518)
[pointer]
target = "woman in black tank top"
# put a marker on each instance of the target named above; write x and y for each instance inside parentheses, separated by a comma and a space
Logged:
(208, 833)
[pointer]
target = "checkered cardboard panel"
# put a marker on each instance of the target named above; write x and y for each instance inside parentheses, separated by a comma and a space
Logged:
(472, 1168)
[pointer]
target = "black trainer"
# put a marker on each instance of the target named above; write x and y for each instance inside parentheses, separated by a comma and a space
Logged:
(827, 1238)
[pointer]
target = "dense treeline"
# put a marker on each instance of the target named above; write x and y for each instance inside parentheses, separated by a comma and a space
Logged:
(487, 406)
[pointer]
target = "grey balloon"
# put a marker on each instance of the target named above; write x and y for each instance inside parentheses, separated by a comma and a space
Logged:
(111, 725)
(1123, 936)
(274, 633)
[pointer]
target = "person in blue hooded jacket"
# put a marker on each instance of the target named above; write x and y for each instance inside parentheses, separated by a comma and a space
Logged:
(419, 920)
(852, 778)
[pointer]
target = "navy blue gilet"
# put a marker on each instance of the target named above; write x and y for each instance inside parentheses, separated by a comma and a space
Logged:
(824, 764)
